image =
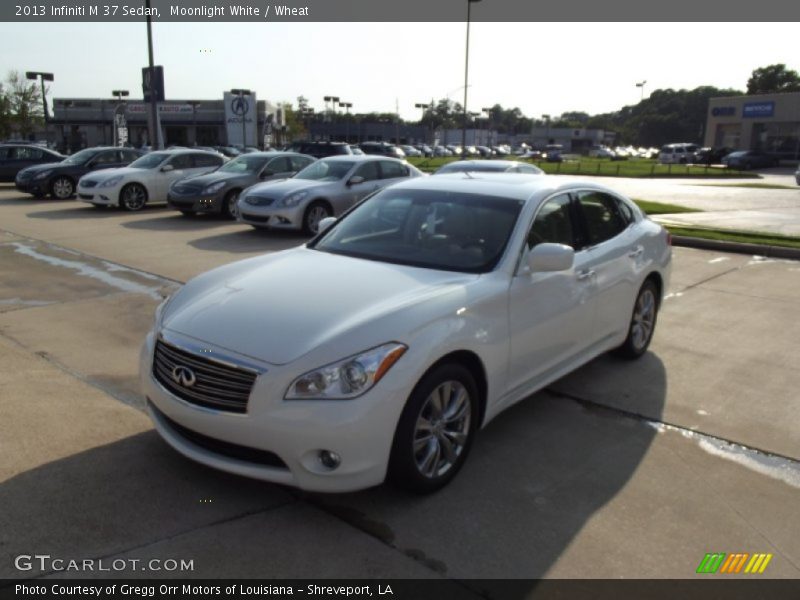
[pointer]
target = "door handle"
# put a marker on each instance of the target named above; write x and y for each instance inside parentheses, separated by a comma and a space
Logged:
(636, 253)
(585, 274)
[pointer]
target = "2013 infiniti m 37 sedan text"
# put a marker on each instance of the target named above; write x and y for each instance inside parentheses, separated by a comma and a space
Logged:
(379, 348)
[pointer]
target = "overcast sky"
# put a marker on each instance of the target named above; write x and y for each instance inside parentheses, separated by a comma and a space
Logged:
(543, 68)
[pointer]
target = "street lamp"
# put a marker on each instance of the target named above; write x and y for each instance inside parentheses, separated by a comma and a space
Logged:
(66, 104)
(490, 123)
(547, 125)
(119, 95)
(347, 106)
(641, 86)
(466, 84)
(242, 93)
(423, 107)
(33, 75)
(194, 104)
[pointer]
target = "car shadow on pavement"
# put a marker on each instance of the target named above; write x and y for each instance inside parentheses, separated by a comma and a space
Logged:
(84, 212)
(535, 477)
(174, 221)
(250, 239)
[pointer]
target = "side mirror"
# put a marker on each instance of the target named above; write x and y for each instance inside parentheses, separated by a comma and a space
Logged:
(266, 174)
(167, 168)
(325, 224)
(547, 257)
(355, 180)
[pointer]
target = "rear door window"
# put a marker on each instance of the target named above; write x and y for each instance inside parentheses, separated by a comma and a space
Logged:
(601, 216)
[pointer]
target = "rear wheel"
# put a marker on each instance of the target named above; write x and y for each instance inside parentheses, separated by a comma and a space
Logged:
(435, 431)
(315, 212)
(230, 204)
(62, 188)
(643, 322)
(133, 197)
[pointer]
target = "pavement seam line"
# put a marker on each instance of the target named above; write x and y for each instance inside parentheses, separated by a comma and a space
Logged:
(711, 278)
(49, 359)
(320, 506)
(640, 417)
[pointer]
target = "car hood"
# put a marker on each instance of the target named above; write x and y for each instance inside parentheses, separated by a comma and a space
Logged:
(109, 173)
(205, 179)
(281, 187)
(42, 167)
(278, 307)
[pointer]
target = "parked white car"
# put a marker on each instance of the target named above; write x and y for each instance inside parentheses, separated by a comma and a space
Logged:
(383, 345)
(146, 180)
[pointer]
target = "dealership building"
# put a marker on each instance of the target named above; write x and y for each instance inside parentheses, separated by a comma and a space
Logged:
(81, 122)
(769, 123)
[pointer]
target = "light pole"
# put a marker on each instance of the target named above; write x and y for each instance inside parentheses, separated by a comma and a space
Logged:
(68, 136)
(244, 108)
(155, 140)
(490, 123)
(347, 106)
(33, 75)
(466, 84)
(547, 130)
(640, 85)
(423, 107)
(119, 95)
(194, 104)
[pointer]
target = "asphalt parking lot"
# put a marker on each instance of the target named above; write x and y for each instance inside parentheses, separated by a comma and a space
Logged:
(632, 470)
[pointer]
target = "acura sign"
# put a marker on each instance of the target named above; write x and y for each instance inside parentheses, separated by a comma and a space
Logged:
(238, 108)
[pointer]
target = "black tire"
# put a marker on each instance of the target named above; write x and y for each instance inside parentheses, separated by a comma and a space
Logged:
(643, 322)
(315, 212)
(407, 464)
(229, 208)
(62, 188)
(133, 197)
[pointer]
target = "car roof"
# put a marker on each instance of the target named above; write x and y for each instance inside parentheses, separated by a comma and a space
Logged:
(519, 187)
(359, 158)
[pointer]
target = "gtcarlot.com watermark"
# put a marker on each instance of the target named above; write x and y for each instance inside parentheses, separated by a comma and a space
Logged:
(48, 563)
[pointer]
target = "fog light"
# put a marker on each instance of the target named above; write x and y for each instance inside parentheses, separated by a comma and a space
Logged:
(330, 460)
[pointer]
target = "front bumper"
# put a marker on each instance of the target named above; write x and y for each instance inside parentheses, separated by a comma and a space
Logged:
(31, 186)
(360, 430)
(106, 196)
(201, 203)
(278, 217)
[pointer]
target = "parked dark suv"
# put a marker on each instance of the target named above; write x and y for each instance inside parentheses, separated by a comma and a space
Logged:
(320, 149)
(15, 157)
(59, 179)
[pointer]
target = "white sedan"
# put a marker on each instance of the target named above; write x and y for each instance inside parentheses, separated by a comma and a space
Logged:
(146, 180)
(383, 345)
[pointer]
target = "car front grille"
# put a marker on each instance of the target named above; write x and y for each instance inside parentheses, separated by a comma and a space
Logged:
(187, 189)
(88, 183)
(201, 381)
(245, 453)
(259, 200)
(85, 196)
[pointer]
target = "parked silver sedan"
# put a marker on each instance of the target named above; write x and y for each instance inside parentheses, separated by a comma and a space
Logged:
(325, 188)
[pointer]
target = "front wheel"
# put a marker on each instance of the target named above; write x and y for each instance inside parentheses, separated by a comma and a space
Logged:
(315, 212)
(62, 188)
(435, 431)
(643, 323)
(133, 197)
(230, 205)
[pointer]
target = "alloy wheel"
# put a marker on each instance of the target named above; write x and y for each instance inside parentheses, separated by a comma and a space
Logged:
(442, 429)
(644, 317)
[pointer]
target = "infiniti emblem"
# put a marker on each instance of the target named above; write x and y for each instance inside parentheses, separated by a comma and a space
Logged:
(183, 376)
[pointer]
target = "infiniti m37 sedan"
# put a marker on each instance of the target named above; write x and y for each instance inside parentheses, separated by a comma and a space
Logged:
(381, 347)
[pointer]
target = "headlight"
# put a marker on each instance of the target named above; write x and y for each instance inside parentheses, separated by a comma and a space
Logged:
(347, 378)
(43, 174)
(160, 312)
(110, 182)
(214, 187)
(294, 199)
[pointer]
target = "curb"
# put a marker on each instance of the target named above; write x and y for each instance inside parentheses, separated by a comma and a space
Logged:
(737, 247)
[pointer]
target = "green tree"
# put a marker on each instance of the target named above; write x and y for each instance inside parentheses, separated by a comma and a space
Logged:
(24, 103)
(772, 79)
(6, 118)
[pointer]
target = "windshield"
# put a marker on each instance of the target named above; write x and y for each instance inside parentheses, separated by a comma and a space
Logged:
(245, 164)
(149, 161)
(80, 157)
(326, 170)
(432, 229)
